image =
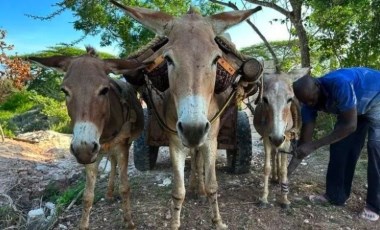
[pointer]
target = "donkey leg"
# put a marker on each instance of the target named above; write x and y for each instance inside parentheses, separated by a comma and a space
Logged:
(201, 176)
(178, 156)
(267, 170)
(209, 156)
(124, 187)
(193, 180)
(111, 179)
(197, 183)
(275, 167)
(285, 203)
(88, 195)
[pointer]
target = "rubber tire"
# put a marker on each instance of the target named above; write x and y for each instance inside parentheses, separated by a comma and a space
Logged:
(144, 156)
(239, 160)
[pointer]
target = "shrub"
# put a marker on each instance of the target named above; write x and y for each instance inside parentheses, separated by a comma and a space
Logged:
(6, 89)
(48, 84)
(324, 124)
(48, 113)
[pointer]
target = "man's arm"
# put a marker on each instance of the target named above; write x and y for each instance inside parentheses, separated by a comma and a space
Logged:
(346, 125)
(307, 132)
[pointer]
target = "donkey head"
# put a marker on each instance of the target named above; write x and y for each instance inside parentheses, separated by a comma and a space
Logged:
(191, 55)
(87, 87)
(278, 110)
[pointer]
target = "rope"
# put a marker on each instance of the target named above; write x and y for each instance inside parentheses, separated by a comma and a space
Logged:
(227, 44)
(155, 41)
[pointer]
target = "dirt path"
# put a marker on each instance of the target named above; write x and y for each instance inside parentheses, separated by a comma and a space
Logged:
(151, 193)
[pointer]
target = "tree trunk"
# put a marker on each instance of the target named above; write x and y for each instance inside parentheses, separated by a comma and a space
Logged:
(295, 18)
(2, 133)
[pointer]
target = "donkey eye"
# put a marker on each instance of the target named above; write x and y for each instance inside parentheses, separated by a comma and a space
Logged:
(65, 92)
(215, 60)
(104, 91)
(290, 100)
(169, 60)
(265, 100)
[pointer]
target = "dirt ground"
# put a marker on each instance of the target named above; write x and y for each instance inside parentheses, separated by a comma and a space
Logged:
(238, 194)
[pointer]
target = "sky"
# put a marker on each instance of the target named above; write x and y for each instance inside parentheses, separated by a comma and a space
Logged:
(29, 35)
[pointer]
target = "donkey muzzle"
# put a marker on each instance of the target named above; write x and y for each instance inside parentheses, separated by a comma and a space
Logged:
(86, 153)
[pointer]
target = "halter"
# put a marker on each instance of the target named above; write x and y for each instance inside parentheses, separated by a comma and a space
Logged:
(164, 125)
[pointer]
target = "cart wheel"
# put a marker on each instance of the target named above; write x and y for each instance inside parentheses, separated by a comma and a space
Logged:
(144, 156)
(239, 160)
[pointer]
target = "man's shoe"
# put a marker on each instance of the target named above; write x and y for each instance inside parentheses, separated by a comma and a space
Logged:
(318, 199)
(369, 215)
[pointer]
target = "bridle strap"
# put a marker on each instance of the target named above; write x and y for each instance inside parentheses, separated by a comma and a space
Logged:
(165, 126)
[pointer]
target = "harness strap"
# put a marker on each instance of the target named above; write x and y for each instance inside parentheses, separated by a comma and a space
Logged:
(155, 63)
(116, 137)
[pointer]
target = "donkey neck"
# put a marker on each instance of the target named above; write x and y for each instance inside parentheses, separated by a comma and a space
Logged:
(118, 114)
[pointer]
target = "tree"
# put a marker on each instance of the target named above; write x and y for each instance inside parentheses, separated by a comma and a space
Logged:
(288, 54)
(14, 68)
(348, 31)
(295, 15)
(101, 17)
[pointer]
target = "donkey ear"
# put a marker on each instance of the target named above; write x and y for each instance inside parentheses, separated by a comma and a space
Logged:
(296, 74)
(120, 66)
(222, 21)
(156, 21)
(58, 62)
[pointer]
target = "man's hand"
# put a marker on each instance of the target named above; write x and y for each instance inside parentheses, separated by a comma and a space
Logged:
(304, 150)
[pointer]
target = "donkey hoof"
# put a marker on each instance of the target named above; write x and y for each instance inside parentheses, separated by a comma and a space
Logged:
(285, 206)
(174, 226)
(263, 204)
(221, 226)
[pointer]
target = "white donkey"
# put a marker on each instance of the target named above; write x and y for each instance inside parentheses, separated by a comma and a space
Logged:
(277, 119)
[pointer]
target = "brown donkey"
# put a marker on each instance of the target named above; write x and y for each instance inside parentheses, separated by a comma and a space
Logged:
(277, 119)
(191, 54)
(106, 116)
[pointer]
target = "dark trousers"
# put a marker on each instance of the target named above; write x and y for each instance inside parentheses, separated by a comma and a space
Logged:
(344, 155)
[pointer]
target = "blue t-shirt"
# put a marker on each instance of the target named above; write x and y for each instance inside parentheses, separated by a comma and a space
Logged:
(347, 88)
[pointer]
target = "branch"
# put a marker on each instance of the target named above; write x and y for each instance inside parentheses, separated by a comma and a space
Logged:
(269, 47)
(271, 5)
(229, 4)
(48, 17)
(75, 42)
(74, 200)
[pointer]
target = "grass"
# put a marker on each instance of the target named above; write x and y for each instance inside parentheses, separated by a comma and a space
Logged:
(10, 217)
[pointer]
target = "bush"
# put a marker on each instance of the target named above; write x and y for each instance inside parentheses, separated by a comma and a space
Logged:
(18, 102)
(48, 84)
(324, 124)
(26, 111)
(6, 89)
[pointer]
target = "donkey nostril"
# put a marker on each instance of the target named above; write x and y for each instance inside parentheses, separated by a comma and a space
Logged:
(95, 148)
(207, 127)
(180, 127)
(72, 149)
(276, 140)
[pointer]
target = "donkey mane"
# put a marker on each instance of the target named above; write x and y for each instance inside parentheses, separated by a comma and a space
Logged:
(90, 51)
(193, 10)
